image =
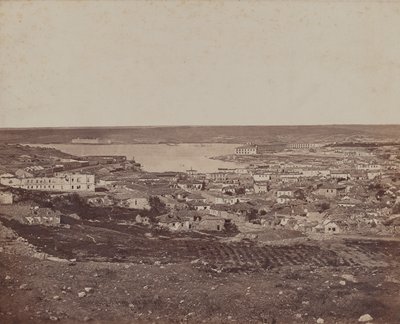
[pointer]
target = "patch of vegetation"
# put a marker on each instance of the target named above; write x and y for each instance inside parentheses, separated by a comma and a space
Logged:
(323, 207)
(157, 207)
(396, 209)
(231, 228)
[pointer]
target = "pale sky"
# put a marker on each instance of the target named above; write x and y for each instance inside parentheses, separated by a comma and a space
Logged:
(134, 63)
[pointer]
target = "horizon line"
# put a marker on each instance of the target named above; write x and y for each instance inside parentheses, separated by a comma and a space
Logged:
(172, 126)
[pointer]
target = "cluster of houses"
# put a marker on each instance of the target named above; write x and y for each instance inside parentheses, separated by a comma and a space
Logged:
(321, 197)
(31, 214)
(324, 196)
(347, 194)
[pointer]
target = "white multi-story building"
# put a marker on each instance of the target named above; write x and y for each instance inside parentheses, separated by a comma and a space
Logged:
(369, 167)
(304, 145)
(315, 173)
(63, 181)
(262, 177)
(340, 175)
(249, 149)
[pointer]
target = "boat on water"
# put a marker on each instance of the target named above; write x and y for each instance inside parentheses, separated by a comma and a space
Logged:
(91, 141)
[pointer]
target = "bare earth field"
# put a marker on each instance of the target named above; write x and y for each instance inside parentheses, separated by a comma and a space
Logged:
(136, 274)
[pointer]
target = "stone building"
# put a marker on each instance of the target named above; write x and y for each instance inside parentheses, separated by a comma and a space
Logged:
(249, 149)
(6, 198)
(62, 181)
(32, 215)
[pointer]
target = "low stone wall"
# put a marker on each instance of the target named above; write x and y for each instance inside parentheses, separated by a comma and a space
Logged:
(11, 243)
(289, 241)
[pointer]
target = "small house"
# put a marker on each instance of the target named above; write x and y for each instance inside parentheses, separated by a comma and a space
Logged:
(209, 223)
(261, 187)
(195, 197)
(199, 205)
(144, 220)
(331, 227)
(6, 198)
(349, 202)
(284, 199)
(43, 216)
(326, 191)
(178, 220)
(133, 200)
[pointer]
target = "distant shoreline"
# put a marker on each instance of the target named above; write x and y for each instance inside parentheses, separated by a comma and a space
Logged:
(142, 143)
(174, 135)
(191, 126)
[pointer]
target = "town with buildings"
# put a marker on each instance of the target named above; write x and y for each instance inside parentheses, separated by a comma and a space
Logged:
(309, 188)
(192, 161)
(286, 210)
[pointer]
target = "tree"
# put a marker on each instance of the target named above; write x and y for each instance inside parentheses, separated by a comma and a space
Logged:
(157, 206)
(240, 191)
(299, 194)
(380, 194)
(230, 228)
(375, 186)
(252, 215)
(324, 206)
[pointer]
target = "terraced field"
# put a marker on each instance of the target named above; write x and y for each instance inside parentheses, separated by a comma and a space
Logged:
(250, 256)
(139, 245)
(139, 274)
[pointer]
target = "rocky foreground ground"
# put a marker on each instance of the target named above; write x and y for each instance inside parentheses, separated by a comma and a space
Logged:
(335, 281)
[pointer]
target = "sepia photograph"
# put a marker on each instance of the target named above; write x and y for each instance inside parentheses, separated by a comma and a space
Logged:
(199, 161)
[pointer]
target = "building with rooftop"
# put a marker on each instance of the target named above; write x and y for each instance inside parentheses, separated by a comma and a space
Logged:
(304, 145)
(62, 181)
(248, 149)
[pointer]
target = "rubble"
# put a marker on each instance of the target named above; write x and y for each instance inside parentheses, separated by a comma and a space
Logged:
(349, 277)
(392, 279)
(56, 259)
(24, 287)
(365, 318)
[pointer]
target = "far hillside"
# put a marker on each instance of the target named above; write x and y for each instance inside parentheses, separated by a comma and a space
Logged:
(13, 157)
(205, 134)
